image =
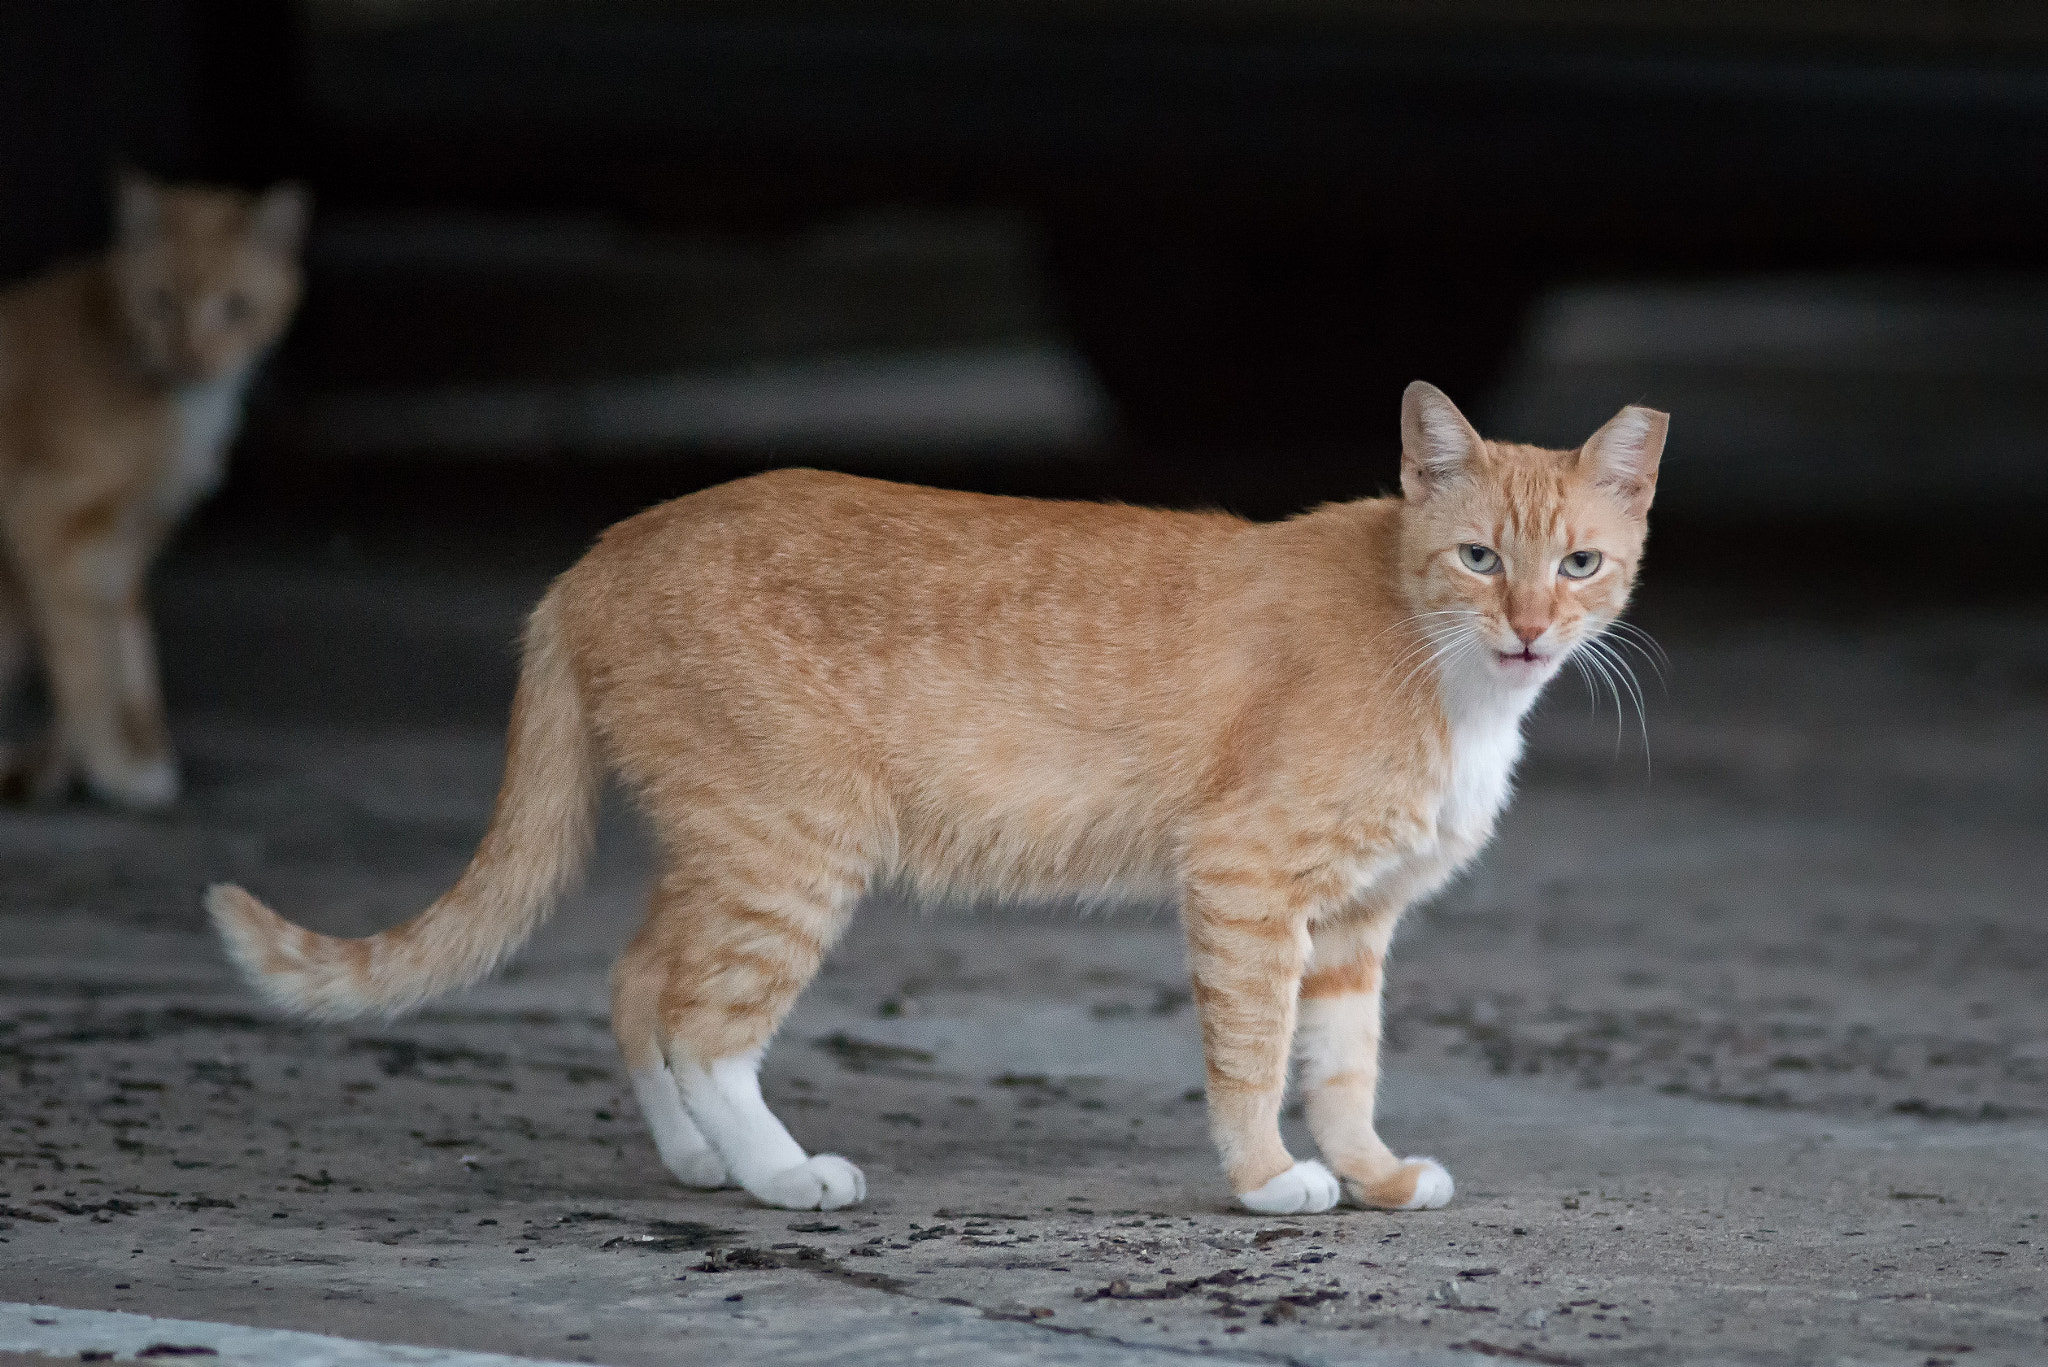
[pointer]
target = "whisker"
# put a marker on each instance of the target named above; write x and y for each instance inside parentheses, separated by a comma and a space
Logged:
(1662, 683)
(1435, 656)
(1455, 652)
(1427, 632)
(1643, 641)
(1586, 676)
(1437, 632)
(1607, 676)
(1644, 635)
(1430, 647)
(1415, 620)
(1449, 646)
(1628, 675)
(1636, 694)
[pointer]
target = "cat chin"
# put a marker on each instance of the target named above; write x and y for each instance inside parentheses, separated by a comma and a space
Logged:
(1498, 672)
(1519, 672)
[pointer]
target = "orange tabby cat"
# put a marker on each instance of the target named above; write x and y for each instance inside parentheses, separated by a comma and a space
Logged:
(815, 683)
(121, 383)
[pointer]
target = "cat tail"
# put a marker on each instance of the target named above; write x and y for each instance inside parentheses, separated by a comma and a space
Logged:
(540, 832)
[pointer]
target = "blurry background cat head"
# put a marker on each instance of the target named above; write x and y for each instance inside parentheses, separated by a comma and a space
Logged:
(206, 278)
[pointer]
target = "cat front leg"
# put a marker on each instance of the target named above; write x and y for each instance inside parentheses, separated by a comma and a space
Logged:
(86, 593)
(1338, 1041)
(1245, 955)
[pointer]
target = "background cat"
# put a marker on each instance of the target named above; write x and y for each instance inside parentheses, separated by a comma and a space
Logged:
(122, 379)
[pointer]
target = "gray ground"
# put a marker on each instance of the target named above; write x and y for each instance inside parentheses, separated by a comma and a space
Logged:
(1743, 1061)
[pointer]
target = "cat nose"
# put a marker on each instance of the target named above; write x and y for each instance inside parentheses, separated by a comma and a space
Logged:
(1528, 632)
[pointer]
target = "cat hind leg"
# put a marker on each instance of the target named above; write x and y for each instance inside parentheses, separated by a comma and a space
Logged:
(736, 955)
(725, 1098)
(685, 1152)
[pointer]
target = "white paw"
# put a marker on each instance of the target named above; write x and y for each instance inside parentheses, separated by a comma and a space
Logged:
(823, 1182)
(1304, 1189)
(698, 1168)
(1433, 1186)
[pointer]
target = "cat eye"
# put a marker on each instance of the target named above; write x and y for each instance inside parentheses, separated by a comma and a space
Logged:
(1479, 559)
(1579, 564)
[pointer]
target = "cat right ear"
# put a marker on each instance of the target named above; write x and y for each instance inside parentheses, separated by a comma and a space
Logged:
(1437, 444)
(1625, 453)
(138, 207)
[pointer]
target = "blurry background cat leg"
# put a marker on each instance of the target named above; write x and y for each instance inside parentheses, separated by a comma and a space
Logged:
(21, 761)
(107, 719)
(1338, 1042)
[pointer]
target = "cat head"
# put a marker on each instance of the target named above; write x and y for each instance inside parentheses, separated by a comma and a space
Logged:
(1515, 555)
(205, 278)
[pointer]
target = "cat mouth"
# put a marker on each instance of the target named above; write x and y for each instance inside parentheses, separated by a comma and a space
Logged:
(1525, 656)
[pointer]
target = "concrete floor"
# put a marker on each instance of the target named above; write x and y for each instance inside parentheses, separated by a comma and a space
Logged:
(1743, 1060)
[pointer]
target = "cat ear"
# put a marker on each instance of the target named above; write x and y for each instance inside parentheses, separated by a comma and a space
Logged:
(1436, 441)
(138, 208)
(1623, 455)
(278, 223)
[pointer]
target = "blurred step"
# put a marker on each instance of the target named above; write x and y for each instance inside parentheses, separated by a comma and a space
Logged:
(467, 333)
(1799, 394)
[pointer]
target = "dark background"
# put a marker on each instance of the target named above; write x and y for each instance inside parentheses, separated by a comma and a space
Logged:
(1816, 233)
(1739, 1024)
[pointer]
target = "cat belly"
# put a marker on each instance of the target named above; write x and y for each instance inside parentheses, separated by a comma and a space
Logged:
(1100, 858)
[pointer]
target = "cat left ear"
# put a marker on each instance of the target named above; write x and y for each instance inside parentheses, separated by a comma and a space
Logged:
(138, 208)
(280, 218)
(1623, 455)
(1436, 441)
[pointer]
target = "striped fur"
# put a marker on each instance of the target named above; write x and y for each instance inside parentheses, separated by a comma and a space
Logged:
(815, 683)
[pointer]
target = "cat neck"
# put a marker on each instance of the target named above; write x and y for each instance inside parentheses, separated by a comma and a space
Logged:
(1483, 722)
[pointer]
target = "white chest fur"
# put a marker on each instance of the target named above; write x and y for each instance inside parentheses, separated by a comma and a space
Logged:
(1485, 721)
(1484, 748)
(1485, 742)
(207, 416)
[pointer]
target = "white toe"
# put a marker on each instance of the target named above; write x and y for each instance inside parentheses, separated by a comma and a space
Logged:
(823, 1182)
(1433, 1188)
(1304, 1189)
